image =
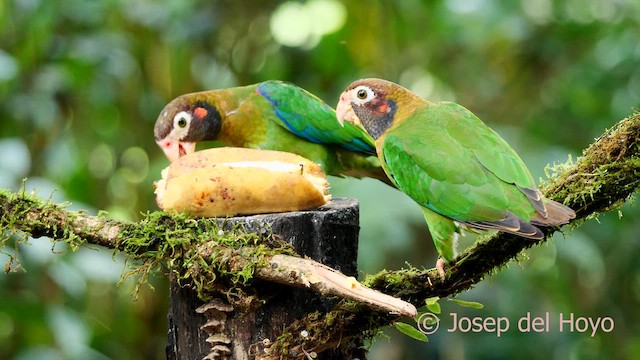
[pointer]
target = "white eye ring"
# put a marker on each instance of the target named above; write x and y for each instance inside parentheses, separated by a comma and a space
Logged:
(362, 94)
(182, 120)
(181, 123)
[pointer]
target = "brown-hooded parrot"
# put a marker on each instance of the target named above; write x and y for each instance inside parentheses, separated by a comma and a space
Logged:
(271, 115)
(460, 172)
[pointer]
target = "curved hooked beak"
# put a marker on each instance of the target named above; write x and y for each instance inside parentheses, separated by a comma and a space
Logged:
(175, 149)
(344, 111)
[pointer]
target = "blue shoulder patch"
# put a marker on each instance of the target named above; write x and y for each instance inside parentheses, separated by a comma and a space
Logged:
(318, 124)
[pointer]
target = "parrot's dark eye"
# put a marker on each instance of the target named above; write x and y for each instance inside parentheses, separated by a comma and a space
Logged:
(362, 94)
(182, 122)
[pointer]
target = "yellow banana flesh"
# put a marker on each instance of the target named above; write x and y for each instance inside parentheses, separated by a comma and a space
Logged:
(237, 181)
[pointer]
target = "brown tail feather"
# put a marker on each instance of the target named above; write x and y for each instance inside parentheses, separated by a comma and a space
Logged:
(549, 213)
(511, 224)
(536, 199)
(557, 214)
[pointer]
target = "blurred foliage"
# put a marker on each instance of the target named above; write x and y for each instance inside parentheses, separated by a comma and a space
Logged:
(81, 83)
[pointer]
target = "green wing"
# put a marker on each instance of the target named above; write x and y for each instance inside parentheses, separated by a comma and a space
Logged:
(307, 116)
(450, 162)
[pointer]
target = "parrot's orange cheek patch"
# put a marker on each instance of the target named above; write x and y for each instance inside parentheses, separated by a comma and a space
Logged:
(200, 112)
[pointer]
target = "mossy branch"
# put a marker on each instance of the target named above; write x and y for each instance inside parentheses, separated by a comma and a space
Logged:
(198, 251)
(602, 179)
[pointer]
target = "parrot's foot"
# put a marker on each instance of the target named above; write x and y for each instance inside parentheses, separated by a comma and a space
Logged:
(440, 264)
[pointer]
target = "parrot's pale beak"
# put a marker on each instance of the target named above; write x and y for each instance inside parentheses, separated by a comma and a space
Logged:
(344, 111)
(175, 149)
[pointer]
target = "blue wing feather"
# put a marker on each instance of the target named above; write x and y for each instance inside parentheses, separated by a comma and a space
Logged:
(307, 116)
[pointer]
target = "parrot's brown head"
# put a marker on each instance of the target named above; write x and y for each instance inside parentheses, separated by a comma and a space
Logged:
(372, 103)
(185, 121)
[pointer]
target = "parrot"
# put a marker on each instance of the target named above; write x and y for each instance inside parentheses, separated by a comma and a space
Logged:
(460, 172)
(271, 115)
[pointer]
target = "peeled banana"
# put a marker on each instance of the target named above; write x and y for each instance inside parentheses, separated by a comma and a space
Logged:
(237, 181)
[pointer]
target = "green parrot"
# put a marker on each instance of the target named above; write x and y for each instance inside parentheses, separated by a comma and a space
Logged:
(271, 115)
(461, 173)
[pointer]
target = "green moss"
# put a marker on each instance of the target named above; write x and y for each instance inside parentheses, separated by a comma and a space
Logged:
(200, 252)
(34, 217)
(399, 282)
(197, 251)
(605, 175)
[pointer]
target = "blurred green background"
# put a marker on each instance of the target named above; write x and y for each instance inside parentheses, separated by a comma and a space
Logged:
(81, 84)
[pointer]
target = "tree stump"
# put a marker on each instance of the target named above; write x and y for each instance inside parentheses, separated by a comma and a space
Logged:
(328, 235)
